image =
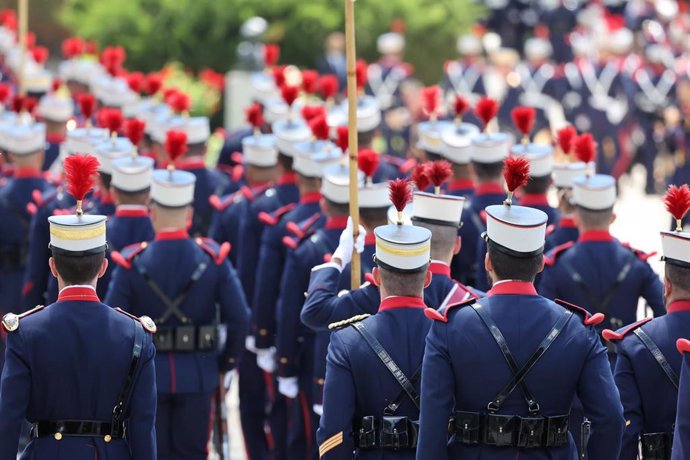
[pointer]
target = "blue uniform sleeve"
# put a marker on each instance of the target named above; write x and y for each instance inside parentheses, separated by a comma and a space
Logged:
(335, 427)
(15, 388)
(294, 284)
(632, 404)
(437, 396)
(119, 292)
(681, 434)
(142, 414)
(271, 263)
(548, 286)
(601, 401)
(481, 281)
(37, 271)
(324, 306)
(251, 230)
(653, 291)
(234, 315)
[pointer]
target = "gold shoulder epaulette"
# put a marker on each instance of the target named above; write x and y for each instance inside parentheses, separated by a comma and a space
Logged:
(347, 322)
(148, 323)
(10, 322)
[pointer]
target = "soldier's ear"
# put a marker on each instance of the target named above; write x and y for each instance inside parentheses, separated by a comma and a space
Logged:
(487, 263)
(427, 279)
(668, 287)
(104, 267)
(53, 270)
(541, 264)
(376, 273)
(458, 245)
(613, 218)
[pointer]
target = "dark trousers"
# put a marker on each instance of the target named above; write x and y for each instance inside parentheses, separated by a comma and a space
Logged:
(183, 425)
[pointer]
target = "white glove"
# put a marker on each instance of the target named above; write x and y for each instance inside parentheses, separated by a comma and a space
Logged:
(288, 387)
(227, 380)
(266, 359)
(318, 409)
(347, 243)
(250, 343)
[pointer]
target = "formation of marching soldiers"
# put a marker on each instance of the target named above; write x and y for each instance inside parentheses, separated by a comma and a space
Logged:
(489, 323)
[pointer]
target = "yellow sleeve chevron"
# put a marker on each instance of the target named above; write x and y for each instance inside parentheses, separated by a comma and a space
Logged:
(330, 444)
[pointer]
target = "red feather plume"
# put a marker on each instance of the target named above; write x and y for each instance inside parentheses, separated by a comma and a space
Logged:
(289, 94)
(310, 80)
(461, 106)
(4, 92)
(87, 102)
(328, 86)
(153, 83)
(400, 193)
(169, 94)
(175, 144)
(516, 172)
(91, 47)
(439, 172)
(135, 81)
(255, 115)
(29, 104)
(585, 148)
(271, 54)
(523, 119)
(40, 54)
(134, 128)
(342, 137)
(72, 47)
(420, 177)
(30, 40)
(17, 103)
(677, 201)
(431, 95)
(566, 137)
(309, 112)
(180, 102)
(80, 174)
(362, 73)
(319, 128)
(8, 18)
(486, 110)
(112, 59)
(279, 75)
(368, 162)
(56, 85)
(111, 119)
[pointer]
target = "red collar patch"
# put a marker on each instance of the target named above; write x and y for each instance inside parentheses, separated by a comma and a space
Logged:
(679, 305)
(595, 235)
(177, 234)
(131, 212)
(288, 178)
(489, 188)
(336, 223)
(512, 288)
(461, 184)
(310, 198)
(440, 269)
(78, 294)
(539, 199)
(391, 303)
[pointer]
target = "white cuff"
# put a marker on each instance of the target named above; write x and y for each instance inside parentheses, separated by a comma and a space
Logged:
(328, 265)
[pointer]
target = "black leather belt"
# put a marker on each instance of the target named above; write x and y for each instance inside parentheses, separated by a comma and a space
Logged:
(89, 428)
(509, 430)
(185, 338)
(656, 446)
(387, 432)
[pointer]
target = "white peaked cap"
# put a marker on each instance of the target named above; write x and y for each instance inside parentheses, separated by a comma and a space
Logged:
(676, 248)
(260, 150)
(55, 108)
(173, 189)
(430, 135)
(132, 174)
(368, 113)
(390, 43)
(374, 196)
(491, 148)
(469, 45)
(77, 235)
(112, 149)
(437, 209)
(540, 158)
(518, 230)
(288, 133)
(264, 87)
(404, 248)
(198, 129)
(595, 193)
(313, 158)
(335, 185)
(23, 139)
(84, 140)
(457, 143)
(564, 174)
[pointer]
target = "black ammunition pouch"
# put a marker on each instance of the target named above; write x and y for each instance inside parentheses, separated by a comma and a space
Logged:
(388, 432)
(656, 446)
(185, 338)
(14, 257)
(509, 430)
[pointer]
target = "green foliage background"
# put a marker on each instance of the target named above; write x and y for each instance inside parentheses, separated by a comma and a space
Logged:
(205, 33)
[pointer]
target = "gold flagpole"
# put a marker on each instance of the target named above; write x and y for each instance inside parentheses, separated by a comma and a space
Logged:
(352, 132)
(23, 29)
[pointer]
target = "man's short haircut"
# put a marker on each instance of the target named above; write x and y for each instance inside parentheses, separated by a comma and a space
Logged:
(443, 238)
(488, 171)
(373, 217)
(679, 276)
(106, 179)
(509, 267)
(198, 149)
(364, 139)
(139, 197)
(594, 219)
(78, 270)
(403, 284)
(285, 161)
(338, 209)
(538, 185)
(432, 156)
